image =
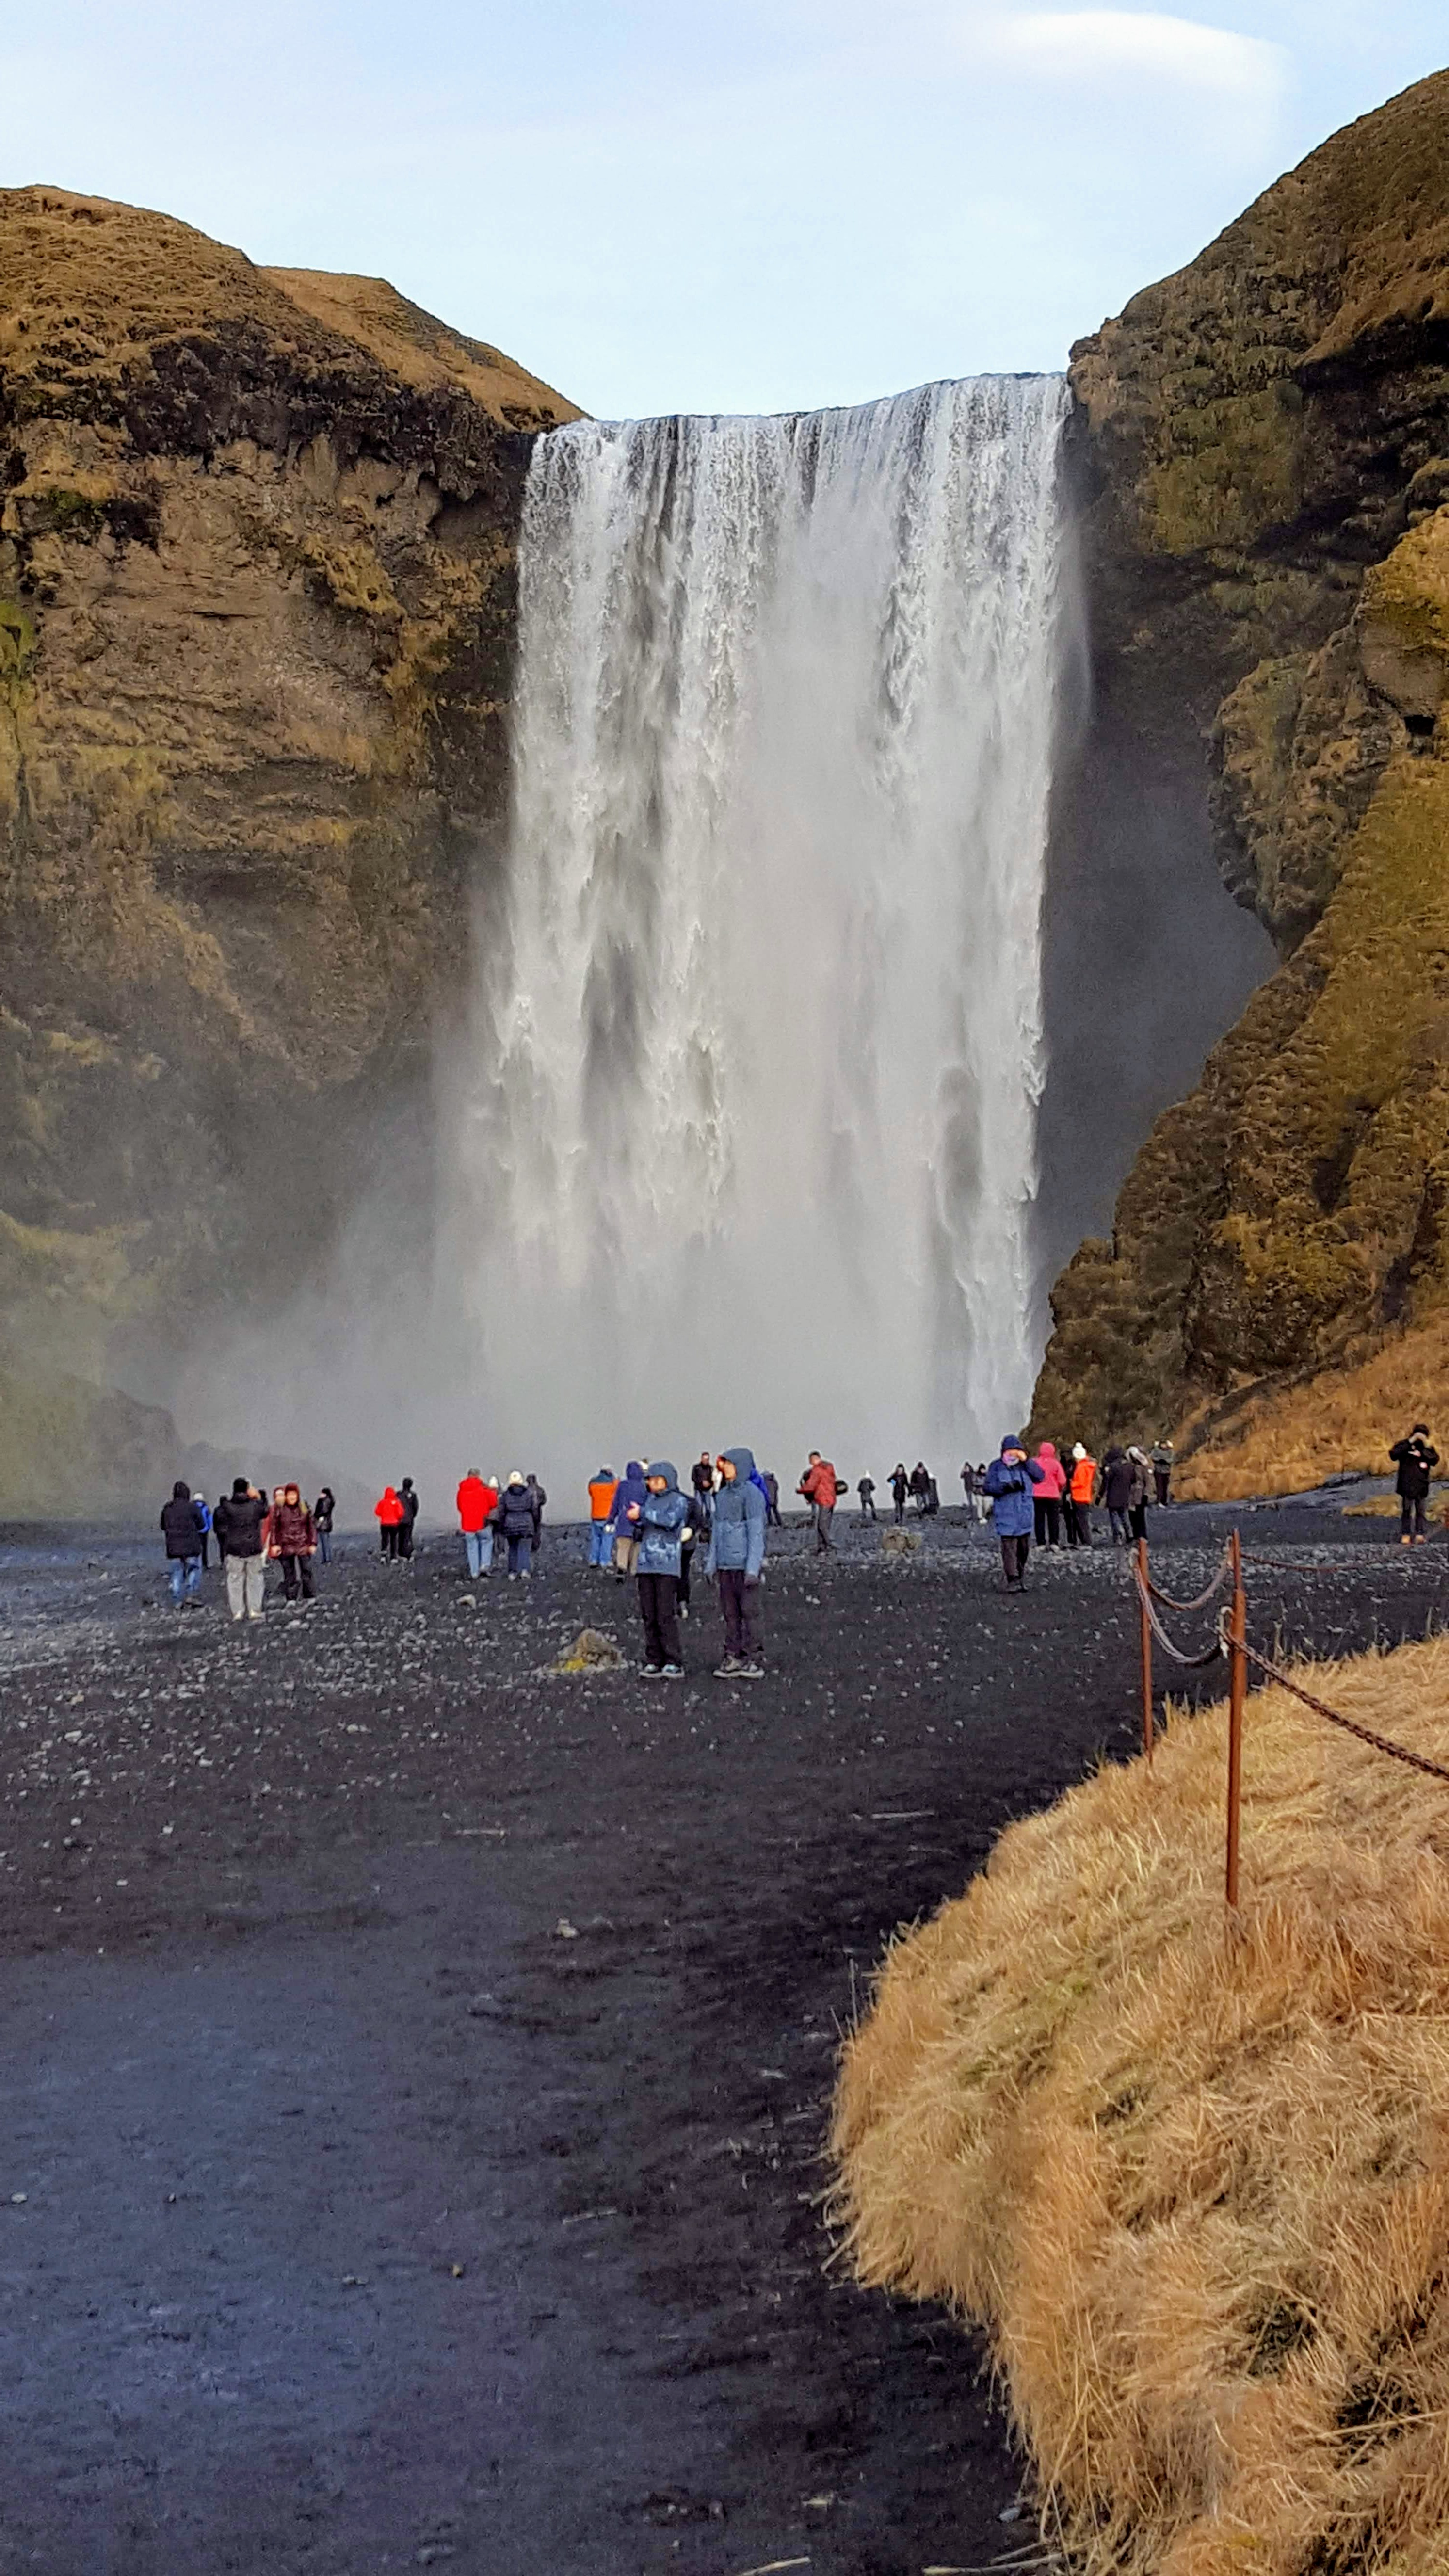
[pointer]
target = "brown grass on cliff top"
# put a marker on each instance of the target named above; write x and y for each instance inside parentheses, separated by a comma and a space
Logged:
(1344, 1418)
(1194, 2183)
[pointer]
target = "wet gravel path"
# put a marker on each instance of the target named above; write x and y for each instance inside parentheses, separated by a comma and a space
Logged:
(414, 2069)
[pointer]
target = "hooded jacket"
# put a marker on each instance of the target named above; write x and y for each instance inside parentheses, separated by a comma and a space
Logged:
(182, 1522)
(388, 1509)
(1415, 1460)
(1141, 1478)
(1011, 1485)
(515, 1510)
(737, 1531)
(239, 1520)
(1116, 1479)
(631, 1488)
(601, 1495)
(1053, 1483)
(1084, 1477)
(661, 1518)
(477, 1502)
(820, 1484)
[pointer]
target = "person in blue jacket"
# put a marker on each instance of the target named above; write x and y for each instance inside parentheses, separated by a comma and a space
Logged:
(628, 1502)
(657, 1523)
(1009, 1482)
(736, 1557)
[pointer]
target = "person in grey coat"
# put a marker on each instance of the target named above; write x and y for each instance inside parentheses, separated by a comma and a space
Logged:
(736, 1559)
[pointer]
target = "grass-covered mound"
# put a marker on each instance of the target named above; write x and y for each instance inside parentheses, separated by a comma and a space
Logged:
(1194, 2181)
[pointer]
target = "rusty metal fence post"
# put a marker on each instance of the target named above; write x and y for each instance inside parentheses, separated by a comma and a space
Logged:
(1237, 1693)
(1148, 1729)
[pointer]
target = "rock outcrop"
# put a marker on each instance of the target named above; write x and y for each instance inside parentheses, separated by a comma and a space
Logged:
(1265, 438)
(256, 621)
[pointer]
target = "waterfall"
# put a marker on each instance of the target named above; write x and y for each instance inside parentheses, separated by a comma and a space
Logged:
(748, 1150)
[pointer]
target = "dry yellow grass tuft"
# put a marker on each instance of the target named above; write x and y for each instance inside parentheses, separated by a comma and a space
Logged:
(1345, 1418)
(1194, 2181)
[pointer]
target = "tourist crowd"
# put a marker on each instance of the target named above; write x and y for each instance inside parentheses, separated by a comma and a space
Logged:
(644, 1527)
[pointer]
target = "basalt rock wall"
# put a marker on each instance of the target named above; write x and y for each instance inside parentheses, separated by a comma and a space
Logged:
(1263, 441)
(257, 572)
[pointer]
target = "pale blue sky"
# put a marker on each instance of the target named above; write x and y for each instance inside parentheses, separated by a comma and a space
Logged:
(757, 205)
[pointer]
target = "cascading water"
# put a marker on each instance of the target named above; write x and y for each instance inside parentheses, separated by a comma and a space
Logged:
(749, 1147)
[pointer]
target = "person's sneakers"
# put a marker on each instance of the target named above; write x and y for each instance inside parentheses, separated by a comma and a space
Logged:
(729, 1669)
(651, 1672)
(672, 1673)
(750, 1670)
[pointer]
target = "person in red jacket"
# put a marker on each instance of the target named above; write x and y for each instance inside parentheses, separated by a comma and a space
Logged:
(477, 1503)
(822, 1489)
(387, 1511)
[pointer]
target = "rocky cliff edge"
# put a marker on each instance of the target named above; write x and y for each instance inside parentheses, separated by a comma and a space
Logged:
(256, 620)
(1264, 443)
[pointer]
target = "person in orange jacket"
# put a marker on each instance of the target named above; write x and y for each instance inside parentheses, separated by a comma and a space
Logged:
(387, 1511)
(602, 1489)
(1080, 1492)
(822, 1489)
(477, 1503)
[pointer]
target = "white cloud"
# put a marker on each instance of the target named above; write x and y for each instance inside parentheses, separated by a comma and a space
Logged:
(1076, 43)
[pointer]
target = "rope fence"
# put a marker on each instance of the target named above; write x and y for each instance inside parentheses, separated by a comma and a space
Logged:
(1230, 1640)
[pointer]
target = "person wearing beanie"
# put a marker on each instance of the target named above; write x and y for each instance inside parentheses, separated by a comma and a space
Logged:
(515, 1520)
(1011, 1480)
(1081, 1493)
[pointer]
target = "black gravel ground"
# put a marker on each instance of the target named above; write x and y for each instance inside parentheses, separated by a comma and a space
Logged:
(415, 2068)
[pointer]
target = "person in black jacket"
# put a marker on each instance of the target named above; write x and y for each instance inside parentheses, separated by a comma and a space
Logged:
(409, 1502)
(1416, 1461)
(515, 1518)
(537, 1498)
(324, 1513)
(900, 1485)
(1118, 1479)
(240, 1522)
(185, 1535)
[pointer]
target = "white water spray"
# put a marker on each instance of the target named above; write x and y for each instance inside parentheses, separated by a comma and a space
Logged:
(749, 1145)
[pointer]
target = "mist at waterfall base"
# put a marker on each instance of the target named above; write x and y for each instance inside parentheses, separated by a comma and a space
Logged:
(740, 1143)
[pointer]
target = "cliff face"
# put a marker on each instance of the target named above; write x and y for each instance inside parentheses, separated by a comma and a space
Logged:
(256, 618)
(1265, 439)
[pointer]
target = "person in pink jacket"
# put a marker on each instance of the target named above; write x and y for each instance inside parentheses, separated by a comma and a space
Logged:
(1051, 1486)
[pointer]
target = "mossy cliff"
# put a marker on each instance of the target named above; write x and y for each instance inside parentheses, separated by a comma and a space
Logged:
(1265, 439)
(256, 623)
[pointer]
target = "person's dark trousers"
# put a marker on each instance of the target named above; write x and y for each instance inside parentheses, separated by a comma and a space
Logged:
(389, 1540)
(740, 1603)
(297, 1577)
(824, 1522)
(1014, 1553)
(686, 1568)
(324, 1543)
(405, 1538)
(520, 1554)
(1119, 1527)
(900, 1513)
(1411, 1516)
(1081, 1519)
(205, 1558)
(1048, 1523)
(1162, 1478)
(1138, 1520)
(659, 1610)
(867, 1511)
